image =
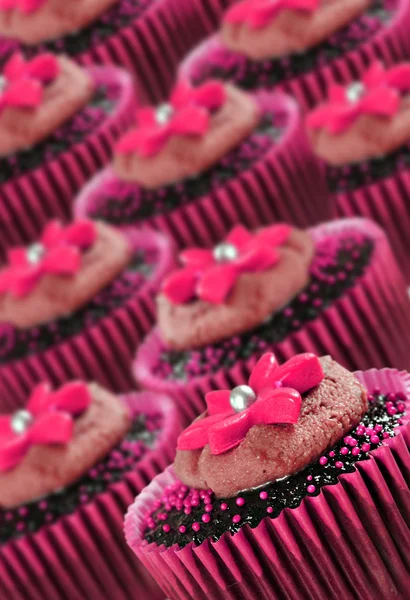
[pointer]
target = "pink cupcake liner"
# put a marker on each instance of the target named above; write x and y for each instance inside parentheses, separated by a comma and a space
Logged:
(28, 202)
(390, 45)
(84, 555)
(101, 353)
(288, 184)
(362, 329)
(350, 541)
(387, 202)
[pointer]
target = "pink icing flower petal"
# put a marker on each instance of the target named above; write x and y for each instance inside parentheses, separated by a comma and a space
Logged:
(301, 372)
(216, 283)
(17, 257)
(81, 234)
(375, 75)
(52, 234)
(382, 101)
(218, 402)
(73, 398)
(62, 260)
(275, 235)
(5, 430)
(196, 435)
(276, 406)
(51, 428)
(26, 93)
(44, 67)
(259, 13)
(240, 237)
(263, 372)
(398, 77)
(258, 259)
(29, 6)
(146, 118)
(179, 287)
(197, 258)
(229, 432)
(211, 95)
(192, 120)
(337, 94)
(40, 399)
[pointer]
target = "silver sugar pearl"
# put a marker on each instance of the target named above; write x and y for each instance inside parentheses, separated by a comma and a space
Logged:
(242, 397)
(21, 421)
(3, 83)
(35, 253)
(355, 91)
(163, 113)
(225, 252)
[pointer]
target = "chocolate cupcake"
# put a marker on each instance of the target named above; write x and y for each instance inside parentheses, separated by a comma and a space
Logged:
(75, 305)
(58, 124)
(294, 486)
(211, 157)
(299, 47)
(335, 288)
(70, 463)
(362, 134)
(147, 37)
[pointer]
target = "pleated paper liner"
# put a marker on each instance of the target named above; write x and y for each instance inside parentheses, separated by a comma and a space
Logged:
(84, 555)
(101, 353)
(363, 328)
(29, 201)
(388, 203)
(287, 184)
(391, 45)
(351, 541)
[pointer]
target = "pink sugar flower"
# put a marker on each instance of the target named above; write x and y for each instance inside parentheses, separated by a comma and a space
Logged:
(272, 396)
(259, 13)
(47, 419)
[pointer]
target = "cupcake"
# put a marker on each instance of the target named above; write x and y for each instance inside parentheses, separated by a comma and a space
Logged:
(75, 305)
(299, 47)
(70, 463)
(362, 134)
(294, 486)
(147, 37)
(335, 288)
(58, 124)
(209, 158)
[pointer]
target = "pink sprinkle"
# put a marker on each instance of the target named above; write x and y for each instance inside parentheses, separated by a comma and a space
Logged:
(331, 453)
(182, 529)
(196, 526)
(263, 495)
(236, 518)
(375, 439)
(224, 506)
(339, 464)
(323, 461)
(311, 489)
(240, 501)
(344, 450)
(309, 477)
(356, 451)
(365, 447)
(206, 518)
(386, 435)
(378, 428)
(166, 528)
(269, 509)
(208, 508)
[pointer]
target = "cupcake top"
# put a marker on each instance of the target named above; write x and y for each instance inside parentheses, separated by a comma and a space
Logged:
(56, 438)
(264, 29)
(284, 419)
(35, 21)
(37, 96)
(186, 136)
(364, 120)
(233, 287)
(60, 273)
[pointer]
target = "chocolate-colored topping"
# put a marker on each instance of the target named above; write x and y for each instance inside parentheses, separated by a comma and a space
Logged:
(271, 452)
(55, 18)
(254, 298)
(292, 31)
(21, 128)
(56, 296)
(188, 156)
(48, 468)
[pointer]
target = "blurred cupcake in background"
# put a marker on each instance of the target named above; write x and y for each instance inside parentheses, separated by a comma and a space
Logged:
(58, 124)
(76, 304)
(301, 46)
(70, 463)
(209, 158)
(147, 37)
(362, 134)
(333, 289)
(291, 485)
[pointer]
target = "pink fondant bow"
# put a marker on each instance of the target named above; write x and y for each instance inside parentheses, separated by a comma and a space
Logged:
(211, 274)
(259, 13)
(273, 396)
(24, 6)
(186, 114)
(58, 252)
(47, 419)
(377, 94)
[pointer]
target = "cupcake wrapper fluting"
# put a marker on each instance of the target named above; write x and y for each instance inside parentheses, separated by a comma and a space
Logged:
(288, 184)
(101, 353)
(364, 328)
(350, 541)
(386, 202)
(390, 45)
(29, 201)
(84, 555)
